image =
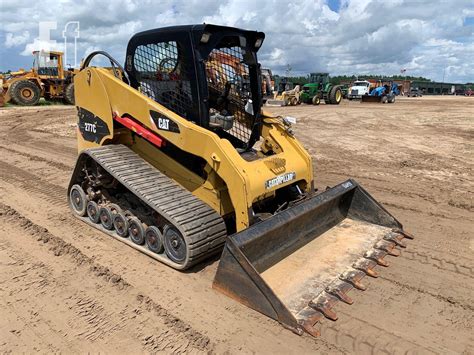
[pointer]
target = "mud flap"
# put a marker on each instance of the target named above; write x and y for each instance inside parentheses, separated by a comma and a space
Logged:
(295, 266)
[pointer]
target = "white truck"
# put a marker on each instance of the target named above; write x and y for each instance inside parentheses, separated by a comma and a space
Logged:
(358, 89)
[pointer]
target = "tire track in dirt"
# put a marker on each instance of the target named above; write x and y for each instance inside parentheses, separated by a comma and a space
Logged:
(48, 145)
(14, 323)
(361, 337)
(393, 192)
(462, 207)
(18, 178)
(98, 321)
(72, 311)
(338, 337)
(101, 245)
(448, 300)
(386, 324)
(424, 212)
(37, 280)
(337, 340)
(57, 196)
(34, 184)
(370, 333)
(37, 158)
(59, 247)
(441, 263)
(54, 194)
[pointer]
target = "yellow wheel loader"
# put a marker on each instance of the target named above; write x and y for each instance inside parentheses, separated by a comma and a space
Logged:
(178, 160)
(47, 79)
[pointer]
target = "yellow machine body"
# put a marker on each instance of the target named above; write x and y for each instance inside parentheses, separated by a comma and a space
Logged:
(233, 184)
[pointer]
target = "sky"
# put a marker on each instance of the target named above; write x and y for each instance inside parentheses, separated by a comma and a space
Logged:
(428, 38)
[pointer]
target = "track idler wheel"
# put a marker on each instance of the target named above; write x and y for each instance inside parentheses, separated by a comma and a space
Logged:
(136, 231)
(78, 200)
(154, 239)
(93, 211)
(121, 224)
(175, 246)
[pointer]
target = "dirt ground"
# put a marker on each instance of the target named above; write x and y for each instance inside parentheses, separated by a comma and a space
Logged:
(65, 287)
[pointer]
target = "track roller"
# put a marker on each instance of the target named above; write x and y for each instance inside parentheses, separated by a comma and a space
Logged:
(154, 239)
(136, 231)
(106, 217)
(93, 211)
(78, 200)
(121, 224)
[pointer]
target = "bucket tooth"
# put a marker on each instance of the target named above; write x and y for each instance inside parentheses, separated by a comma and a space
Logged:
(389, 247)
(354, 277)
(340, 289)
(405, 234)
(378, 256)
(397, 238)
(324, 304)
(308, 318)
(367, 266)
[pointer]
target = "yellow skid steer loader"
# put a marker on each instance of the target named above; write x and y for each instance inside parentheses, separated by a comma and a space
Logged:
(178, 160)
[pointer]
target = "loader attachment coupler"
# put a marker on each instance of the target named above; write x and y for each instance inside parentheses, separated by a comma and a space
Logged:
(295, 266)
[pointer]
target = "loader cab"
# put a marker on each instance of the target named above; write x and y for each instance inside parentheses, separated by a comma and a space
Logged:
(205, 73)
(319, 78)
(48, 64)
(285, 85)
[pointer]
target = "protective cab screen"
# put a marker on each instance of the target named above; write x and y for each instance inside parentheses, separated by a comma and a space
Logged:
(162, 74)
(230, 95)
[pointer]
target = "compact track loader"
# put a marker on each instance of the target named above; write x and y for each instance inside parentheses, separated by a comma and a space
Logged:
(286, 95)
(178, 160)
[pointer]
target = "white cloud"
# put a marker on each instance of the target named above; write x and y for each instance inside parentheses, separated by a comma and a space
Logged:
(365, 36)
(41, 45)
(12, 41)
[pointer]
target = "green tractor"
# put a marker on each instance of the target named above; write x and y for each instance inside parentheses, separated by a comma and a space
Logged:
(319, 88)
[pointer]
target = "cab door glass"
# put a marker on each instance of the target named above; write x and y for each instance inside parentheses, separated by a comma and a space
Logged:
(48, 64)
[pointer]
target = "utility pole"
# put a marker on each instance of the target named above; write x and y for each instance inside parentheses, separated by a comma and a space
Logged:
(404, 71)
(442, 84)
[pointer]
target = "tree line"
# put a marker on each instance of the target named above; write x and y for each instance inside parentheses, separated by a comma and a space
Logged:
(350, 78)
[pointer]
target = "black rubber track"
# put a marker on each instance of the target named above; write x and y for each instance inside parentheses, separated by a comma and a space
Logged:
(202, 228)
